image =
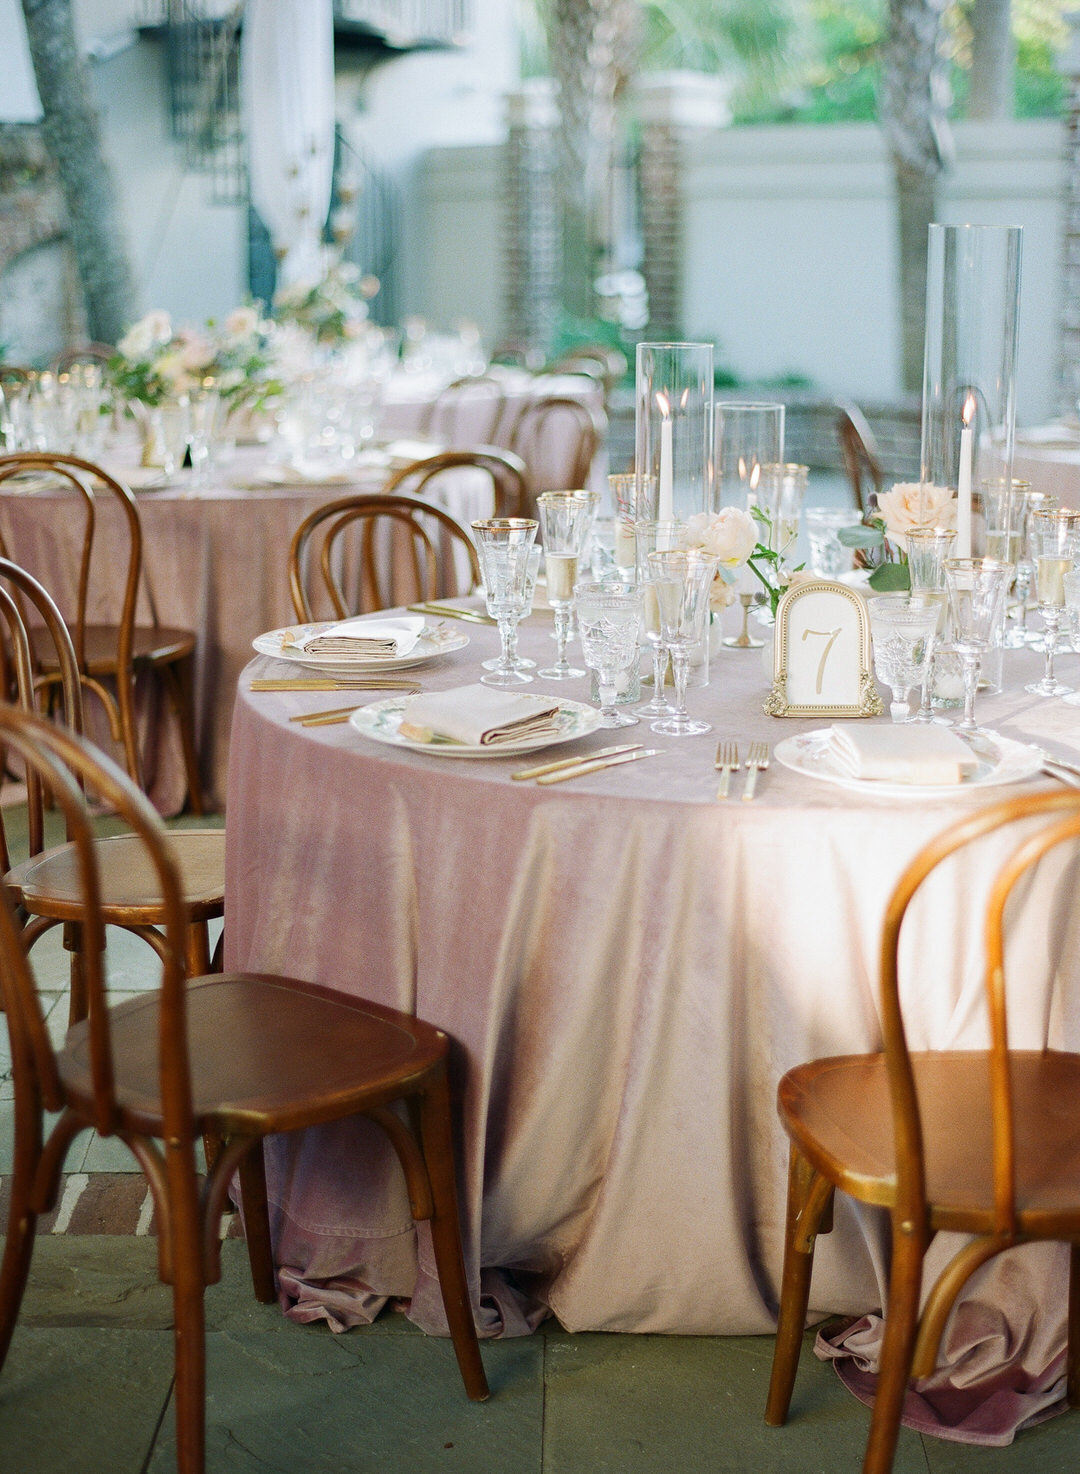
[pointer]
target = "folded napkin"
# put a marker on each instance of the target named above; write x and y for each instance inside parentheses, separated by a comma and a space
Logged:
(359, 639)
(901, 754)
(479, 716)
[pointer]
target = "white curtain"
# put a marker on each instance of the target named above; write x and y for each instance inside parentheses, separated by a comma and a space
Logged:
(288, 97)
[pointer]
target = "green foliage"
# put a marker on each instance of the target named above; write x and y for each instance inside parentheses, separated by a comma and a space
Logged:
(890, 578)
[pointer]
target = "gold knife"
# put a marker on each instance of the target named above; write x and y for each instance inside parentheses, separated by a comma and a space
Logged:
(597, 767)
(306, 717)
(472, 616)
(575, 762)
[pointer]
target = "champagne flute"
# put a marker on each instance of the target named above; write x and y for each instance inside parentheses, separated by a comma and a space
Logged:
(1030, 502)
(565, 518)
(651, 537)
(976, 589)
(683, 581)
(503, 545)
(1053, 544)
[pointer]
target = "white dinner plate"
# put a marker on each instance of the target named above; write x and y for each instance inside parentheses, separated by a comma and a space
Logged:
(381, 719)
(432, 643)
(1001, 760)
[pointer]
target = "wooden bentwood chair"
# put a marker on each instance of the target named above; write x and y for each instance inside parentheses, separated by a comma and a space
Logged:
(117, 651)
(981, 1142)
(45, 885)
(427, 532)
(236, 1056)
(509, 477)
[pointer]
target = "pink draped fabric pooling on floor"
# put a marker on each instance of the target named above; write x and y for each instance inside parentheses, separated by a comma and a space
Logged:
(627, 967)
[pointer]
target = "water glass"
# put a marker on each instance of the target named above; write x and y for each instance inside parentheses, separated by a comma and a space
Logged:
(682, 581)
(609, 619)
(520, 662)
(565, 519)
(928, 548)
(976, 589)
(828, 556)
(631, 498)
(1030, 503)
(1071, 582)
(902, 627)
(1054, 536)
(503, 545)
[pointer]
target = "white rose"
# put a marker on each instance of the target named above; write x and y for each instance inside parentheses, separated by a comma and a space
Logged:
(136, 342)
(730, 535)
(160, 325)
(915, 504)
(196, 353)
(242, 322)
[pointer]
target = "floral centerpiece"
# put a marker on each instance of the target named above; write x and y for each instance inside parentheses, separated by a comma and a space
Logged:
(882, 535)
(732, 535)
(332, 310)
(149, 365)
(155, 364)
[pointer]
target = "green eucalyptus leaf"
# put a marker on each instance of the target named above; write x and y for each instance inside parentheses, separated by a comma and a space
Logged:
(860, 537)
(888, 578)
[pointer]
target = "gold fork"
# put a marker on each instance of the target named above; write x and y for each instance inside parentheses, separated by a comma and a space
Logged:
(727, 761)
(757, 760)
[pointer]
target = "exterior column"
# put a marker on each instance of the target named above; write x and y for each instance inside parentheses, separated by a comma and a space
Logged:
(531, 225)
(1068, 387)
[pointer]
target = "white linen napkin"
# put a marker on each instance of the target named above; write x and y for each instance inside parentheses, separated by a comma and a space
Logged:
(479, 716)
(901, 754)
(360, 639)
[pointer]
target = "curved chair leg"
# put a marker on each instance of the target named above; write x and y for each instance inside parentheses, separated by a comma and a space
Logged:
(1073, 1379)
(22, 1219)
(438, 1148)
(197, 949)
(189, 1343)
(257, 1224)
(177, 680)
(799, 1237)
(901, 1324)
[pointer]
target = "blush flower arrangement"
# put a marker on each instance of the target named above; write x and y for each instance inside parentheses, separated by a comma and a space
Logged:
(732, 535)
(882, 535)
(332, 310)
(154, 363)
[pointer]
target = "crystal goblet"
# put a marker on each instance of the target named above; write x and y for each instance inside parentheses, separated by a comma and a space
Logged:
(609, 619)
(902, 627)
(682, 581)
(520, 662)
(503, 545)
(565, 519)
(1054, 537)
(927, 549)
(976, 589)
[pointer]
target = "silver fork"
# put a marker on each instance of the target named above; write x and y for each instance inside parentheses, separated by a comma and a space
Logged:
(727, 761)
(757, 760)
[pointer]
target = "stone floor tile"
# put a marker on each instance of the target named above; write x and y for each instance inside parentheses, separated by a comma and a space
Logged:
(95, 1280)
(83, 1399)
(656, 1404)
(1051, 1448)
(382, 1404)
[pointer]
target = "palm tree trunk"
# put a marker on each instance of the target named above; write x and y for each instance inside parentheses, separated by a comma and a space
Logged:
(993, 59)
(72, 135)
(914, 115)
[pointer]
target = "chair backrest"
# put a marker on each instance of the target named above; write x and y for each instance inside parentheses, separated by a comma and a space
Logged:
(478, 400)
(509, 478)
(28, 590)
(65, 763)
(858, 452)
(1063, 808)
(559, 427)
(88, 353)
(406, 549)
(608, 365)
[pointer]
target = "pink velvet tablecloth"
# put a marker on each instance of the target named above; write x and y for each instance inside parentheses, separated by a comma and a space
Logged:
(627, 967)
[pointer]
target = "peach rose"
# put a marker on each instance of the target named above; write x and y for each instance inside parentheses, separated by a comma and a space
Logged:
(915, 504)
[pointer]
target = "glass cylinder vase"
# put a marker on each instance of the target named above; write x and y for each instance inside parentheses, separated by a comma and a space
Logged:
(969, 362)
(749, 437)
(674, 428)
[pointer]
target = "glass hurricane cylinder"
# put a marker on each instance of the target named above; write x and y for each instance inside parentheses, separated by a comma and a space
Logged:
(749, 437)
(969, 362)
(673, 457)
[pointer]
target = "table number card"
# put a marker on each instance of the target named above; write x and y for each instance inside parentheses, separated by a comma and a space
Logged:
(821, 657)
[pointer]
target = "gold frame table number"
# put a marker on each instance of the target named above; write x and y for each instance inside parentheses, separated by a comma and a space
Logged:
(821, 656)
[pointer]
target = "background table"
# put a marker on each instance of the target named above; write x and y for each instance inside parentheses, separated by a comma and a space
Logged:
(628, 968)
(1049, 457)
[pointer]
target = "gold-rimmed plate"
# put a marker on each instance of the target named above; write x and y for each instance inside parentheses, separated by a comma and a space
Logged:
(431, 644)
(380, 721)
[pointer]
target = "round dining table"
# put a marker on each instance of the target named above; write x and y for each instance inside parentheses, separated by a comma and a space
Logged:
(627, 965)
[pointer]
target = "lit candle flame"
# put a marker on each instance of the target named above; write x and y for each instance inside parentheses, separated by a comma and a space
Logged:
(967, 414)
(742, 469)
(755, 476)
(663, 404)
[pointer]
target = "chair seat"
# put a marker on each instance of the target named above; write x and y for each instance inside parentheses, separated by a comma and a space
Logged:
(267, 1054)
(838, 1113)
(49, 883)
(159, 645)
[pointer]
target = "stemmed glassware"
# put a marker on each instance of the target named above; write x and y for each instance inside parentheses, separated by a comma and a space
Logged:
(565, 518)
(1030, 502)
(503, 545)
(1054, 536)
(609, 618)
(682, 580)
(902, 627)
(1071, 583)
(927, 549)
(204, 409)
(652, 537)
(976, 589)
(518, 661)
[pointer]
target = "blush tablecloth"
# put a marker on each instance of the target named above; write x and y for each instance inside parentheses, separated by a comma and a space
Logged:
(627, 967)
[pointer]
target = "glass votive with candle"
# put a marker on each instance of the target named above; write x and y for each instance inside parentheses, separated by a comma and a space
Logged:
(673, 444)
(969, 363)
